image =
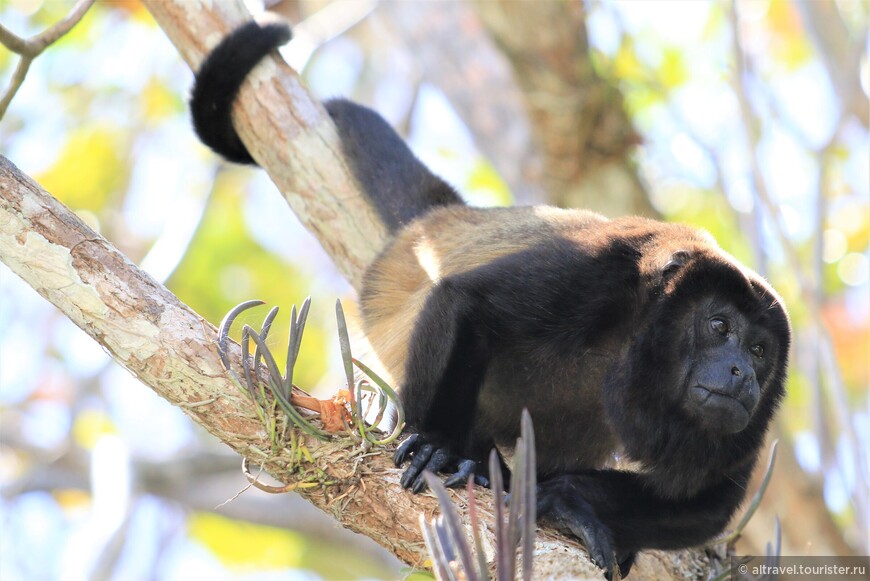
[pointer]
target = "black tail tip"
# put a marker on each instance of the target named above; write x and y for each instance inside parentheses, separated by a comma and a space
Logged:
(218, 81)
(273, 34)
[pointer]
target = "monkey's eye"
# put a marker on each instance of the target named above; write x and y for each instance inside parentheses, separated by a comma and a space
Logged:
(757, 350)
(719, 326)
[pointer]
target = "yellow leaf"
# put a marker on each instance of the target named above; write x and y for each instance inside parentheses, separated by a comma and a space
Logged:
(789, 41)
(90, 426)
(483, 177)
(238, 544)
(248, 547)
(626, 64)
(89, 170)
(158, 101)
(72, 500)
(418, 575)
(715, 21)
(784, 19)
(673, 68)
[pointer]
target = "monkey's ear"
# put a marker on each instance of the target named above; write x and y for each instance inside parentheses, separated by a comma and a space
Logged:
(677, 260)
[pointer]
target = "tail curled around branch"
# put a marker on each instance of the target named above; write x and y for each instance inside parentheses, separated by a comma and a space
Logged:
(399, 186)
(218, 82)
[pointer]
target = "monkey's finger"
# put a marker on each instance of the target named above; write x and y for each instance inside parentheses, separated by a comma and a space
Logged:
(596, 541)
(440, 459)
(418, 464)
(625, 561)
(460, 477)
(545, 502)
(406, 448)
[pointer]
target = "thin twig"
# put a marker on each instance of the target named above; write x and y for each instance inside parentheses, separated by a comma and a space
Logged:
(273, 489)
(14, 83)
(32, 47)
(54, 33)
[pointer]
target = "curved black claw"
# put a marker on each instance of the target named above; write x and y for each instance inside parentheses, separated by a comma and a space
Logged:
(596, 538)
(465, 469)
(419, 462)
(625, 561)
(435, 459)
(407, 448)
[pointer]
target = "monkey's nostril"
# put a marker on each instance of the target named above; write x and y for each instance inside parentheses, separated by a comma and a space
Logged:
(735, 371)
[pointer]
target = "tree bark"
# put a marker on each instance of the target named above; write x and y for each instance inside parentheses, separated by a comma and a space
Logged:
(577, 117)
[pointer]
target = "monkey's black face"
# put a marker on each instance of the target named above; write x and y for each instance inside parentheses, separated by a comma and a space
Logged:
(731, 359)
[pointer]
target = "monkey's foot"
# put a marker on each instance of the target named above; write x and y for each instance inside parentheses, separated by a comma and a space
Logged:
(574, 515)
(435, 459)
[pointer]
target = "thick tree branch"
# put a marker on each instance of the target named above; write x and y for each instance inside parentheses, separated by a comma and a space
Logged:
(161, 341)
(578, 118)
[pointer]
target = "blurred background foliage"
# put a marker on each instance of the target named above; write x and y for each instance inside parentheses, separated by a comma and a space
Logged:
(752, 124)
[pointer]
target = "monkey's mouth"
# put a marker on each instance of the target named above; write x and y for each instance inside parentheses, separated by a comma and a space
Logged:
(719, 410)
(704, 394)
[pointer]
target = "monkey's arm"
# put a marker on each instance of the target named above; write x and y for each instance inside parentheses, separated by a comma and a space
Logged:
(538, 296)
(611, 510)
(446, 364)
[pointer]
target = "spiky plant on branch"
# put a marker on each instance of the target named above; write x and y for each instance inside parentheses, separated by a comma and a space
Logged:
(343, 416)
(454, 558)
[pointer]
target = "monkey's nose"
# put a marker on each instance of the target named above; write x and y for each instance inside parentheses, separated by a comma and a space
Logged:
(735, 371)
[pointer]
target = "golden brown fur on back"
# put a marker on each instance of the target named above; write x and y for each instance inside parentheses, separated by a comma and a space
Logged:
(447, 241)
(455, 239)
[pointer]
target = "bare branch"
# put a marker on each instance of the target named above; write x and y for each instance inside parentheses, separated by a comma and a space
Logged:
(50, 36)
(466, 66)
(15, 83)
(31, 48)
(841, 53)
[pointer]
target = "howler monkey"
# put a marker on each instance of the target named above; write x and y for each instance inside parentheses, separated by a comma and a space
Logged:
(626, 337)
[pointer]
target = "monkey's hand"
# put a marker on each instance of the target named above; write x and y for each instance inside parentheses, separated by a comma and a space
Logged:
(435, 459)
(561, 505)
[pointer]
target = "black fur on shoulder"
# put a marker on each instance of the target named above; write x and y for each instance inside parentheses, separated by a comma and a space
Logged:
(218, 82)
